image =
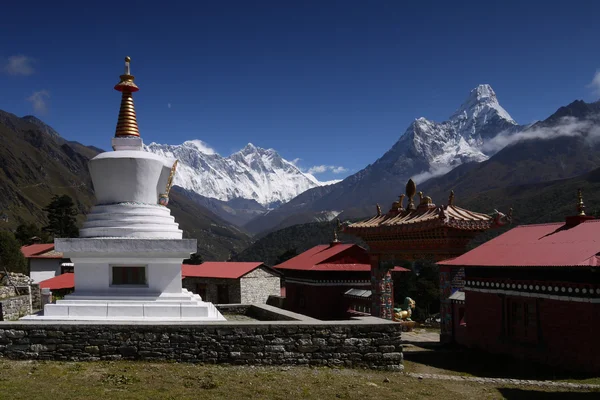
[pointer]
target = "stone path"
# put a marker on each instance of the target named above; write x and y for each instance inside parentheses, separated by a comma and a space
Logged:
(516, 382)
(420, 336)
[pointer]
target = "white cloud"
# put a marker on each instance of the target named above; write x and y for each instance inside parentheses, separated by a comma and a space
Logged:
(201, 146)
(295, 161)
(39, 101)
(19, 65)
(168, 105)
(339, 170)
(319, 169)
(432, 173)
(595, 83)
(567, 126)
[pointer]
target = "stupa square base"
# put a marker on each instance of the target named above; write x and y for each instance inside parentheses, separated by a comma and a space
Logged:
(73, 308)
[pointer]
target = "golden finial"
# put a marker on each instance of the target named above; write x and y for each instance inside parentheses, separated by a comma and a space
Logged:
(335, 237)
(378, 210)
(411, 189)
(510, 211)
(580, 205)
(451, 198)
(127, 124)
(171, 176)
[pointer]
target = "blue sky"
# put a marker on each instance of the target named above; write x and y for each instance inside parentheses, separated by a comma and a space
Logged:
(332, 83)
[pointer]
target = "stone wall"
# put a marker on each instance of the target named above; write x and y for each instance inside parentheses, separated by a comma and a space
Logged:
(211, 285)
(368, 343)
(14, 308)
(36, 297)
(258, 285)
(7, 291)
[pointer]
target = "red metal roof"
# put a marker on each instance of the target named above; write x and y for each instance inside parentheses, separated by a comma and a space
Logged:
(36, 249)
(63, 281)
(223, 270)
(538, 245)
(323, 257)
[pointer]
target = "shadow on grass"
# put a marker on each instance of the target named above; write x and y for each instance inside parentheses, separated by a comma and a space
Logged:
(518, 394)
(488, 365)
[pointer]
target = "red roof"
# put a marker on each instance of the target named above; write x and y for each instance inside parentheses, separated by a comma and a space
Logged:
(223, 270)
(63, 281)
(36, 249)
(541, 245)
(323, 257)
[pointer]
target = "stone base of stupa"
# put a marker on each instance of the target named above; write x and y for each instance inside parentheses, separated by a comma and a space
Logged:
(185, 307)
(158, 296)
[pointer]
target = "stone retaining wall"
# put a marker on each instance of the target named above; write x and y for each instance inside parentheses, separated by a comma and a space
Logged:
(15, 307)
(367, 343)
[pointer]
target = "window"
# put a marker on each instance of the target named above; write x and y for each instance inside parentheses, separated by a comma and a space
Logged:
(135, 276)
(222, 294)
(522, 320)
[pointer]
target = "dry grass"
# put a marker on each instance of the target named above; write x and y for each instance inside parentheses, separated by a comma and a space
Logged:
(142, 380)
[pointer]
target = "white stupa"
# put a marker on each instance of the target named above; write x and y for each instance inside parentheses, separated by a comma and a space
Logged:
(130, 250)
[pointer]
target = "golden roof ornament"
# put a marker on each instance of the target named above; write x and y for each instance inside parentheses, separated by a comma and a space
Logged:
(580, 205)
(335, 237)
(411, 190)
(127, 124)
(378, 210)
(451, 198)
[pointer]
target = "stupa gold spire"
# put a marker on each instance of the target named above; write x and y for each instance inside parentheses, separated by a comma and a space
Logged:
(127, 123)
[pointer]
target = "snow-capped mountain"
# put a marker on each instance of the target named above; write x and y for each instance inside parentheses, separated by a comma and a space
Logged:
(251, 173)
(426, 149)
(460, 139)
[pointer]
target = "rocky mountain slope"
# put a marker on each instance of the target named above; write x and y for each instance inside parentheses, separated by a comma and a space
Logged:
(543, 202)
(252, 173)
(37, 163)
(425, 149)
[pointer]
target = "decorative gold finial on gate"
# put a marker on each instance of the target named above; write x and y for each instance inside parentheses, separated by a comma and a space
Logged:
(580, 205)
(127, 124)
(411, 190)
(451, 198)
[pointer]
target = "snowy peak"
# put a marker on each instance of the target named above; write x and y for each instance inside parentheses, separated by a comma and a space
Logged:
(251, 173)
(461, 139)
(481, 105)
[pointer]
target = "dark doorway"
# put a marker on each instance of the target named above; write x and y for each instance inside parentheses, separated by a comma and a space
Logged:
(201, 290)
(222, 294)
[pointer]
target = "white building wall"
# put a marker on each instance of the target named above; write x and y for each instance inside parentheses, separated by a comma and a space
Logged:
(41, 269)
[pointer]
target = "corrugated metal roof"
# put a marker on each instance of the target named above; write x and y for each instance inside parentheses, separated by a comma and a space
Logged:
(321, 254)
(63, 281)
(358, 293)
(541, 245)
(223, 270)
(36, 249)
(458, 295)
(323, 258)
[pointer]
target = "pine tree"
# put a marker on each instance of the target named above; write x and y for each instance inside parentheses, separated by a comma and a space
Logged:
(11, 257)
(61, 217)
(26, 232)
(195, 259)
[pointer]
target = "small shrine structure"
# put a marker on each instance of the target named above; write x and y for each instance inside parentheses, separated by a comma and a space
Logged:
(127, 260)
(415, 232)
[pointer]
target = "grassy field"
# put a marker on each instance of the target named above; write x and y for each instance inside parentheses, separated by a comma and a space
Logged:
(141, 380)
